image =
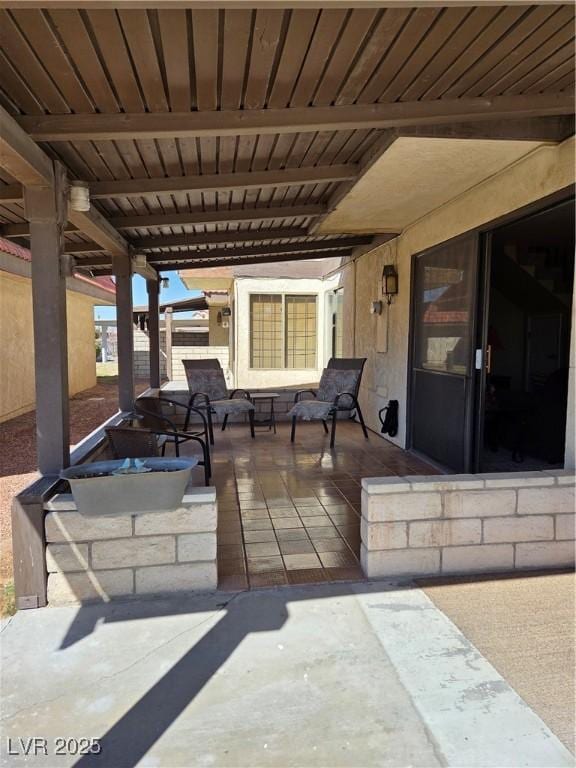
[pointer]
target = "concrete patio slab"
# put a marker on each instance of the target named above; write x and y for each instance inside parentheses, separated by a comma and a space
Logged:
(324, 675)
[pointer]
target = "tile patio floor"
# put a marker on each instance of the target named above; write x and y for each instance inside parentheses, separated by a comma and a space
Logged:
(290, 514)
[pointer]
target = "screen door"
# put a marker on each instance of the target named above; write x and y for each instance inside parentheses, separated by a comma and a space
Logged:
(443, 352)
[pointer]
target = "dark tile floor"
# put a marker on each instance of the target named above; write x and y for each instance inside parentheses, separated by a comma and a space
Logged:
(290, 513)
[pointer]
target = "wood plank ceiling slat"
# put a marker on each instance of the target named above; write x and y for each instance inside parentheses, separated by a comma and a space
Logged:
(440, 32)
(504, 47)
(373, 52)
(357, 29)
(205, 37)
(17, 91)
(235, 41)
(500, 24)
(138, 33)
(324, 39)
(516, 83)
(265, 46)
(34, 25)
(550, 36)
(545, 74)
(29, 68)
(300, 29)
(116, 57)
(408, 39)
(556, 80)
(79, 46)
(477, 20)
(176, 53)
(566, 82)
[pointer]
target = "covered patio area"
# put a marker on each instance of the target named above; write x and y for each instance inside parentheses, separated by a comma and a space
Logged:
(290, 513)
(142, 139)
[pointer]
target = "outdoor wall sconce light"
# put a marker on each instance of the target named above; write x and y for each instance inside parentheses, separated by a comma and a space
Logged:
(389, 282)
(226, 312)
(164, 282)
(79, 196)
(376, 308)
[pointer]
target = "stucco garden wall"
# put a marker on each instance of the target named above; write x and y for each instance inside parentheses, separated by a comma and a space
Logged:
(384, 339)
(17, 393)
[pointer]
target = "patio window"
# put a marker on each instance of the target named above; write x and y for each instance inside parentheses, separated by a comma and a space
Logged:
(283, 331)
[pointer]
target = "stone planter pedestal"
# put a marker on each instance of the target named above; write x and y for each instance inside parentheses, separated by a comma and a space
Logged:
(96, 559)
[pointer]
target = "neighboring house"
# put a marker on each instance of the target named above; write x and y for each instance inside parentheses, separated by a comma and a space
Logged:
(17, 393)
(281, 322)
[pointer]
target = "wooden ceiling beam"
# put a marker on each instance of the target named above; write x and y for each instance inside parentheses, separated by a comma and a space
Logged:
(551, 128)
(554, 129)
(109, 127)
(99, 229)
(262, 250)
(101, 264)
(212, 238)
(26, 162)
(83, 247)
(11, 193)
(223, 181)
(10, 231)
(263, 4)
(265, 259)
(217, 217)
(20, 157)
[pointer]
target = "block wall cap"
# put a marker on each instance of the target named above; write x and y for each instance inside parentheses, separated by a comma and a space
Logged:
(385, 485)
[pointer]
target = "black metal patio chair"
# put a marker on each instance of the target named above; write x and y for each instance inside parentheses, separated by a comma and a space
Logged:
(336, 394)
(151, 413)
(208, 392)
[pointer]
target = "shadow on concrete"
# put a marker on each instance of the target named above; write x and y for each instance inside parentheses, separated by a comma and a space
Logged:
(130, 738)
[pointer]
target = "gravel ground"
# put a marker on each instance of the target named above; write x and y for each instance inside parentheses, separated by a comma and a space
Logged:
(18, 456)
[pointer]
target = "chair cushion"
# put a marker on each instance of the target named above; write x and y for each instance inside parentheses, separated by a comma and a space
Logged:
(334, 381)
(211, 381)
(236, 405)
(310, 410)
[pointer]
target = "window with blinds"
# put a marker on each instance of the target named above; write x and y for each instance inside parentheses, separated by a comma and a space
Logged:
(283, 331)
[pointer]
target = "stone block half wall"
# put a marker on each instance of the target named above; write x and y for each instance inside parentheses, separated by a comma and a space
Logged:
(98, 558)
(416, 526)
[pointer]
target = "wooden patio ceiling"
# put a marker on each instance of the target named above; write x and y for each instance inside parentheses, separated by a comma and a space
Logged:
(217, 136)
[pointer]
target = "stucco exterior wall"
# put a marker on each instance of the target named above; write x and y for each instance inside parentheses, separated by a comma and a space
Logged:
(256, 378)
(17, 393)
(384, 339)
(218, 334)
(81, 347)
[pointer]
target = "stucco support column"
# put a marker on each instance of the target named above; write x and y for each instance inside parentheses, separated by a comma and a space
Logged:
(46, 212)
(153, 288)
(122, 268)
(168, 336)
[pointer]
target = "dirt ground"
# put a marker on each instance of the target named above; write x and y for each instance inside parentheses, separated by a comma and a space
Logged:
(18, 459)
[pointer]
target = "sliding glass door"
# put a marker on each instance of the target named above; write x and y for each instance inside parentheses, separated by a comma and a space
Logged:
(443, 353)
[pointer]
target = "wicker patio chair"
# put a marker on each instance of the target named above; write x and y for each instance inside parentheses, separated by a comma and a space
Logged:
(151, 413)
(336, 393)
(208, 391)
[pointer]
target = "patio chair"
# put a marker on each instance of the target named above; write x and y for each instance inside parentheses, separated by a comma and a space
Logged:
(151, 415)
(208, 391)
(140, 443)
(336, 393)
